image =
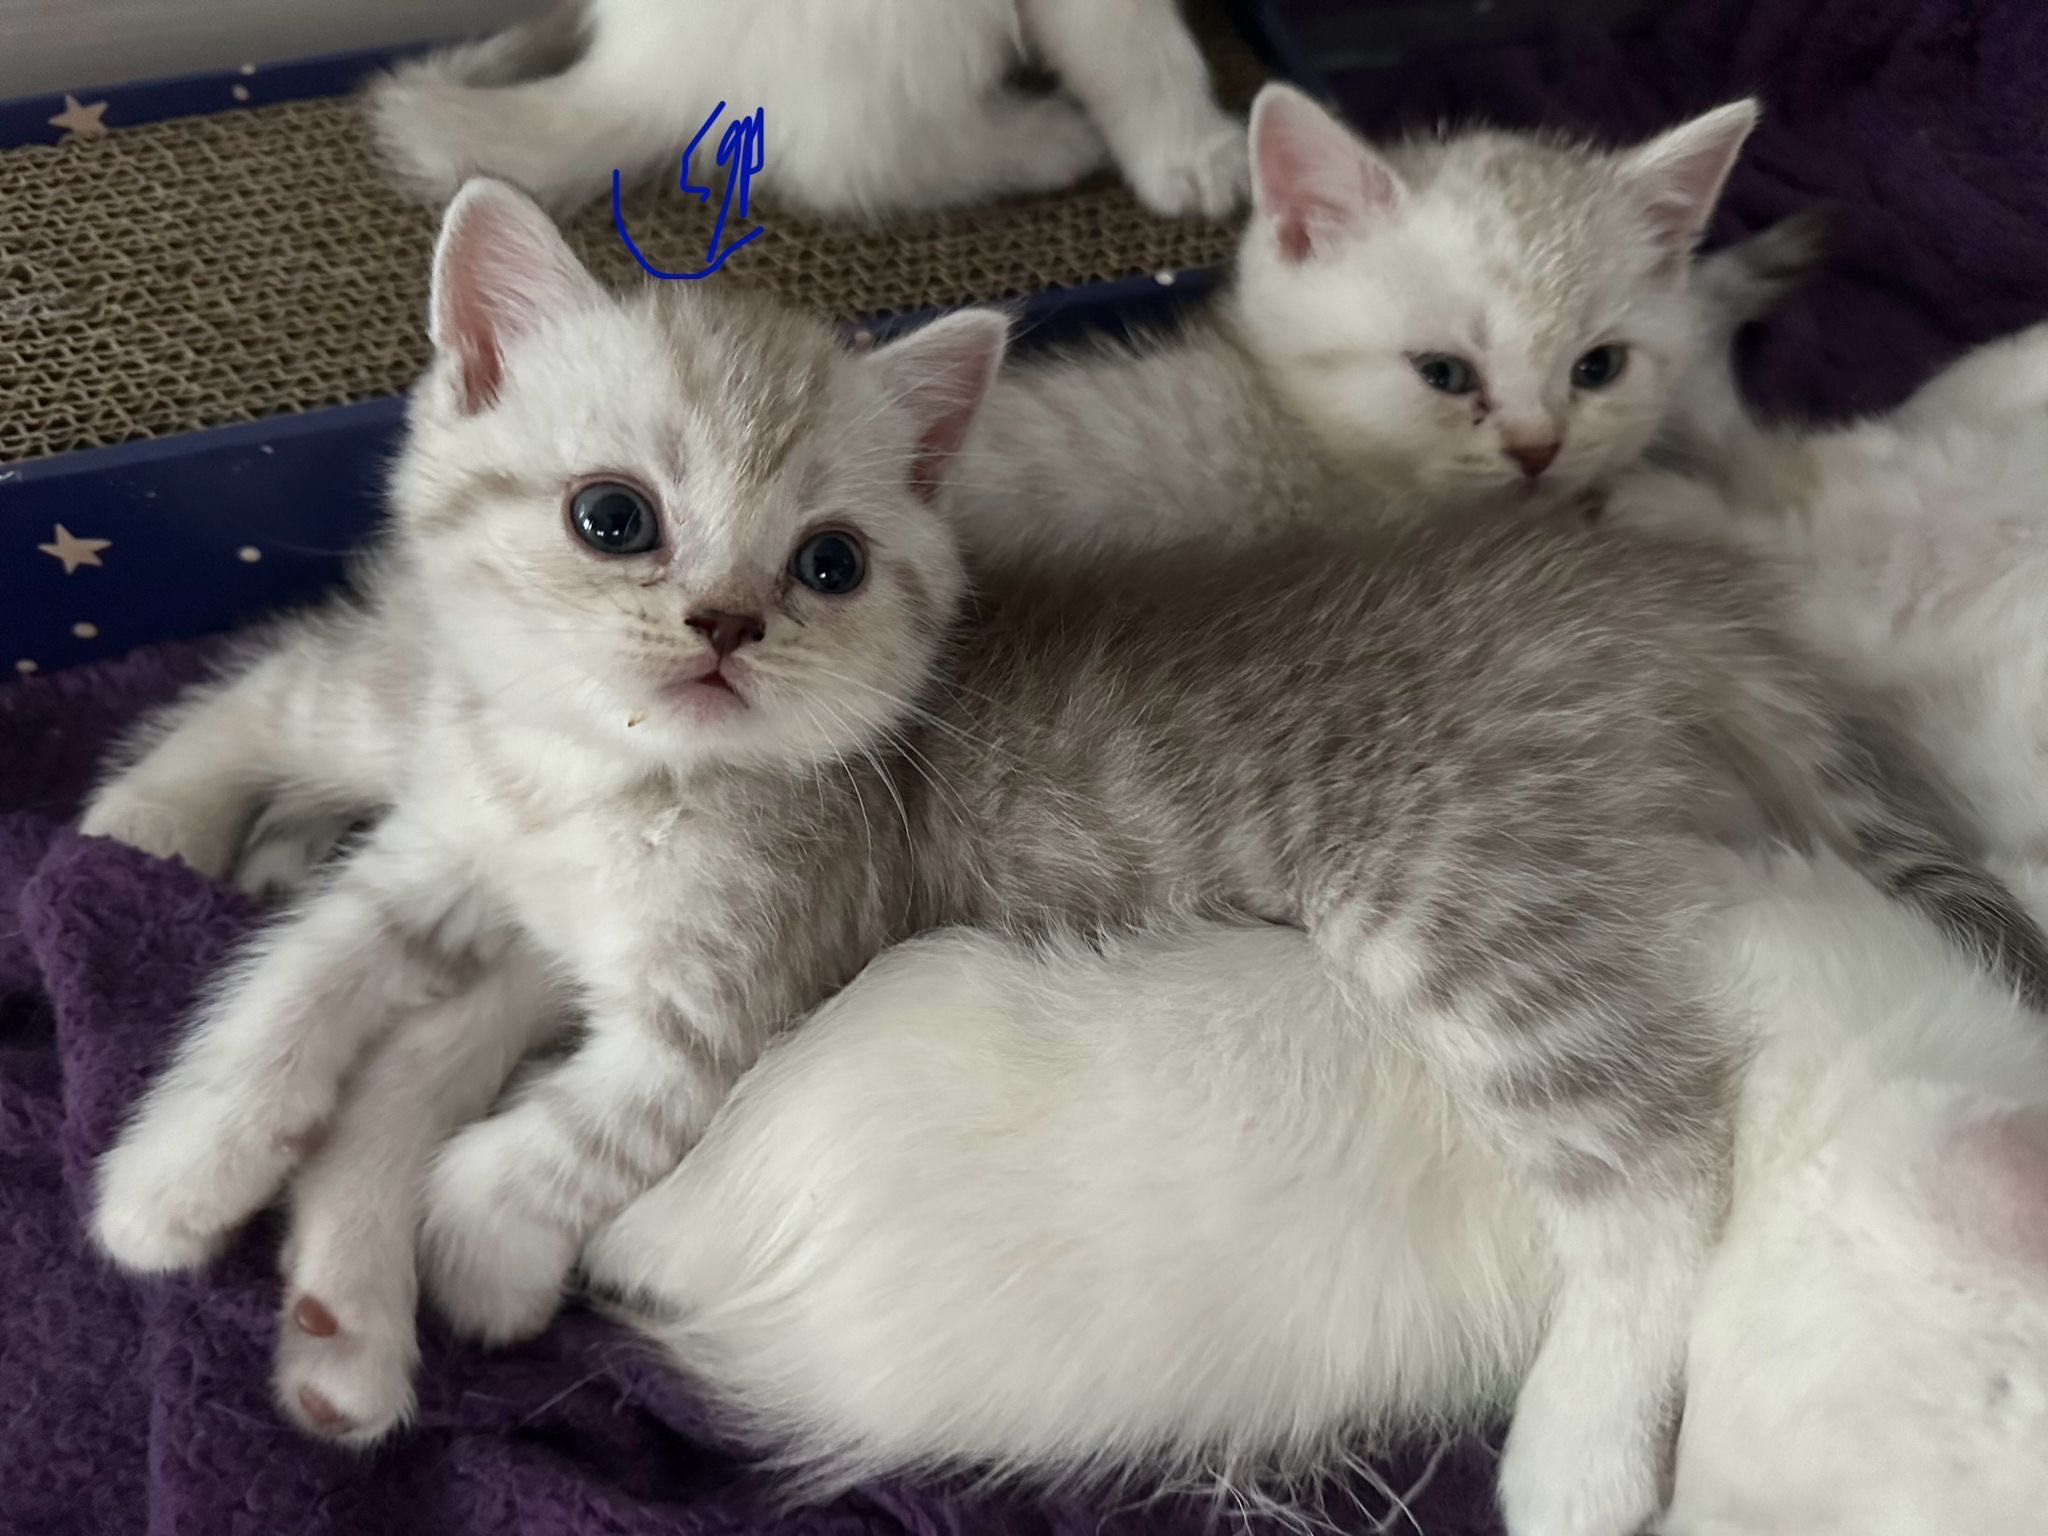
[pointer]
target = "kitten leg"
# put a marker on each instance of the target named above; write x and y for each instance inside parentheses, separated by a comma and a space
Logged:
(347, 1334)
(1137, 70)
(1591, 1438)
(512, 1199)
(1599, 1066)
(298, 745)
(260, 1071)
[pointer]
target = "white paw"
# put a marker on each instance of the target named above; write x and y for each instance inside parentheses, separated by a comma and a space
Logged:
(345, 1363)
(1565, 1473)
(495, 1270)
(161, 825)
(175, 1188)
(1205, 171)
(1057, 143)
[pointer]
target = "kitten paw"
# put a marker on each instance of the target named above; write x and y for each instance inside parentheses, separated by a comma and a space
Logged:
(1054, 144)
(161, 827)
(495, 1270)
(143, 1233)
(1206, 171)
(1560, 1476)
(343, 1372)
(182, 1180)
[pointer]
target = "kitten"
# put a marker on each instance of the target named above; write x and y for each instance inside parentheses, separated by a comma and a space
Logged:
(676, 643)
(1173, 1202)
(870, 105)
(1203, 434)
(1487, 318)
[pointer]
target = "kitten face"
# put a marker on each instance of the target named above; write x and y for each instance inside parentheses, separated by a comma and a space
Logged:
(1497, 318)
(688, 526)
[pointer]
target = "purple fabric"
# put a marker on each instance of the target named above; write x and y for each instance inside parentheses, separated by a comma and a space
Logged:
(128, 1407)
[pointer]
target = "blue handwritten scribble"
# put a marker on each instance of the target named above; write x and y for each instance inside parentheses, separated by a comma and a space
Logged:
(743, 152)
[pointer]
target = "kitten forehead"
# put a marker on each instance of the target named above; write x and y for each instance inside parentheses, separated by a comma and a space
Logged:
(754, 375)
(1554, 222)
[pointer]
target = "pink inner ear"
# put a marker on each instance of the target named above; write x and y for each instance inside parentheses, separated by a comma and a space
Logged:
(942, 373)
(500, 269)
(1990, 1187)
(479, 364)
(1681, 175)
(1310, 178)
(941, 439)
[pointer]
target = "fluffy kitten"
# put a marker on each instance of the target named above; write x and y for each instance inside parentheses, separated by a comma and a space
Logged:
(1204, 434)
(1870, 1348)
(870, 105)
(675, 643)
(1492, 317)
(1174, 1200)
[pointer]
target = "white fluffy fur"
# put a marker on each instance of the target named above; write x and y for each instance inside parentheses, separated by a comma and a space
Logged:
(1919, 545)
(870, 104)
(1067, 1208)
(1055, 1210)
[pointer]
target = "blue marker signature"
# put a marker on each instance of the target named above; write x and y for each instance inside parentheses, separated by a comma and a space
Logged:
(745, 145)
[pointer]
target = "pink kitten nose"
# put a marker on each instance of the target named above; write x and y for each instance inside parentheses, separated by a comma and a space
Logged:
(727, 632)
(1533, 457)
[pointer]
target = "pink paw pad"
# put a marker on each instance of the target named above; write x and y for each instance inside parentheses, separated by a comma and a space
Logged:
(313, 1318)
(322, 1414)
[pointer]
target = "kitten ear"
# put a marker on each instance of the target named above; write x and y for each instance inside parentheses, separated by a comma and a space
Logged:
(500, 268)
(941, 373)
(1679, 175)
(1312, 177)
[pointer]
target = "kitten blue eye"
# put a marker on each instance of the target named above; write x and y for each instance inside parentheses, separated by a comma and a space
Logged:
(832, 563)
(1600, 367)
(614, 519)
(1450, 375)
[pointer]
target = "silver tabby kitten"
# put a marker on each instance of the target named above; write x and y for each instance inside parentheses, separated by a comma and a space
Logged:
(698, 721)
(1296, 399)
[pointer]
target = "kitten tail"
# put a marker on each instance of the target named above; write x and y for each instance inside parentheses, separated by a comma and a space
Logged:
(1902, 836)
(522, 105)
(1747, 280)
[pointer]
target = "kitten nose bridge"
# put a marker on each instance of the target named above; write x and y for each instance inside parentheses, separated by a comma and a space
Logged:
(727, 631)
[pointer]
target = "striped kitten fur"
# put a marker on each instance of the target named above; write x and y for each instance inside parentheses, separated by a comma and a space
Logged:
(1291, 401)
(687, 756)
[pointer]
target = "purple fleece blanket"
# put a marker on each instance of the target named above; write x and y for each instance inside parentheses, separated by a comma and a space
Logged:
(127, 1407)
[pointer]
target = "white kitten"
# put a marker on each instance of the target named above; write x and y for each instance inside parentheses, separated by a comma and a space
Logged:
(622, 663)
(1491, 317)
(1919, 547)
(1172, 1203)
(869, 105)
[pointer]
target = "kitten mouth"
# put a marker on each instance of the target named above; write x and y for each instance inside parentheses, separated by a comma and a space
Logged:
(712, 690)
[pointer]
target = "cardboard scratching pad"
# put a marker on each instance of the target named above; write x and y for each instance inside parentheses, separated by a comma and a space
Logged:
(190, 273)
